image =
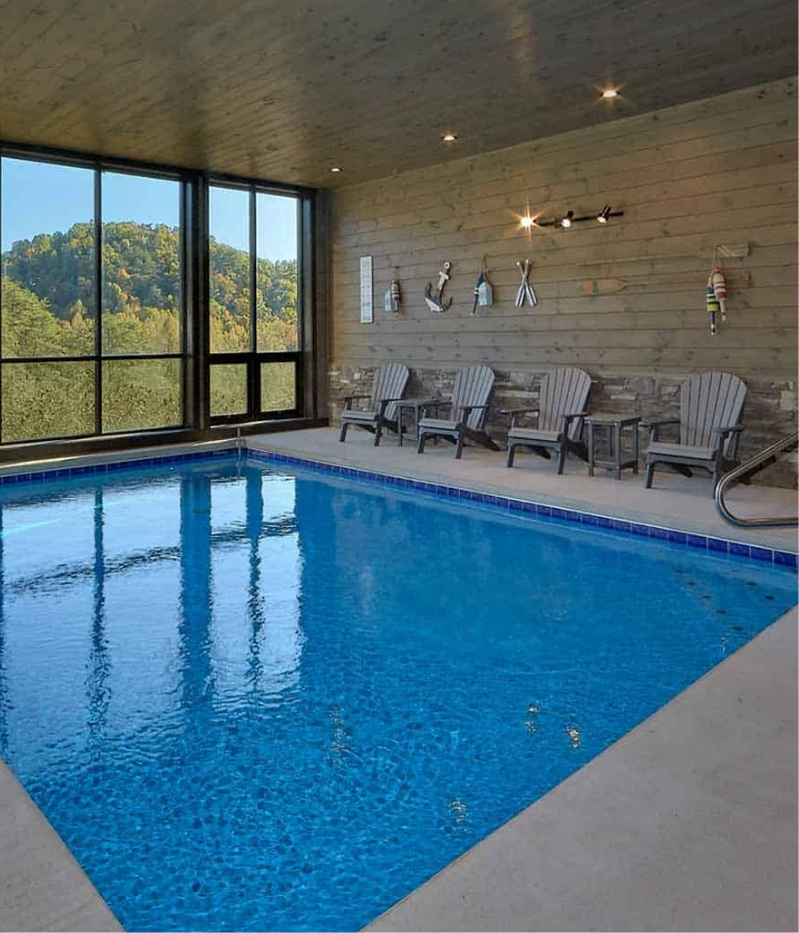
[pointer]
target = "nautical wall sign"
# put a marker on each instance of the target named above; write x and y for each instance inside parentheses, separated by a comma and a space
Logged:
(367, 304)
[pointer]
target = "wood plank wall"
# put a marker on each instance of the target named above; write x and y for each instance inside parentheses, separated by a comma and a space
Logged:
(622, 301)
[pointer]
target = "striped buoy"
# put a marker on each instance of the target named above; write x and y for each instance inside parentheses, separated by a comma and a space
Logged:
(720, 290)
(712, 308)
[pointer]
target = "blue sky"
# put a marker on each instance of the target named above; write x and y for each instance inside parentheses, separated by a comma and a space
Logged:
(39, 197)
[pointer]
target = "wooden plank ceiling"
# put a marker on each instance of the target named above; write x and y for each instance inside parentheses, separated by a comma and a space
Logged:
(285, 90)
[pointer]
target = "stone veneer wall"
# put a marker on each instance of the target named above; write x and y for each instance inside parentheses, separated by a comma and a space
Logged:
(624, 302)
(770, 412)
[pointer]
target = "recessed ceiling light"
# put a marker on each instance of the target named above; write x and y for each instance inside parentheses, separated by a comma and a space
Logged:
(527, 222)
(335, 169)
(610, 93)
(449, 137)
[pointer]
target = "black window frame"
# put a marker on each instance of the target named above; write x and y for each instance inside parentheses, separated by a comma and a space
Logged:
(194, 353)
(254, 358)
(99, 166)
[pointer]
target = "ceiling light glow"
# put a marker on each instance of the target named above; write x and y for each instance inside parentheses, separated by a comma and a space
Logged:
(449, 137)
(527, 222)
(566, 220)
(610, 93)
(335, 168)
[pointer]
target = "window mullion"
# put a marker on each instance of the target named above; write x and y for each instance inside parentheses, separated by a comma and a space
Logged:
(253, 365)
(98, 301)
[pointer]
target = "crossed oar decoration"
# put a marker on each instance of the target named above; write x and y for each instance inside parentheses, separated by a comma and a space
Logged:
(526, 291)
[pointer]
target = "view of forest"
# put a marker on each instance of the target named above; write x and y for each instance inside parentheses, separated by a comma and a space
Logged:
(48, 310)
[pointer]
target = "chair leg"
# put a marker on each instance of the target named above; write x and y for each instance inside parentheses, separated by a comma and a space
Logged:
(343, 436)
(459, 446)
(378, 433)
(562, 457)
(718, 472)
(511, 454)
(650, 472)
(420, 444)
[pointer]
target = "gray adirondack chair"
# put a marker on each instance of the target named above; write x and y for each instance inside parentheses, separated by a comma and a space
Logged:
(388, 385)
(561, 409)
(468, 408)
(711, 408)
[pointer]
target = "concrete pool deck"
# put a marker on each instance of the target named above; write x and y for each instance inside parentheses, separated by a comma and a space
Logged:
(689, 822)
(42, 887)
(674, 502)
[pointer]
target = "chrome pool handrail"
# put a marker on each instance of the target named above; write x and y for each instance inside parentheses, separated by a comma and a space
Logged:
(749, 468)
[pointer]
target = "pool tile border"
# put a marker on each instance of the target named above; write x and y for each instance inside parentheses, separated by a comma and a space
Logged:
(670, 535)
(111, 466)
(785, 559)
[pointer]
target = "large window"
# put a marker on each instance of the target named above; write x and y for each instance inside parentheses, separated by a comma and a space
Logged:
(139, 299)
(254, 309)
(92, 311)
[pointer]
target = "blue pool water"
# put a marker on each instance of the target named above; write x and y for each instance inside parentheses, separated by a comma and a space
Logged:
(249, 700)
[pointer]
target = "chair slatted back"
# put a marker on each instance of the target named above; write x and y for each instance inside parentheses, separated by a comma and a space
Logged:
(389, 381)
(563, 392)
(709, 400)
(473, 385)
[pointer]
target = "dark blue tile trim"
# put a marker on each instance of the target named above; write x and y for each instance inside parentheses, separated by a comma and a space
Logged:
(671, 535)
(92, 469)
(719, 545)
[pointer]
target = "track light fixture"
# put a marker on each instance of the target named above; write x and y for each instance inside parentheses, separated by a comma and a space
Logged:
(568, 219)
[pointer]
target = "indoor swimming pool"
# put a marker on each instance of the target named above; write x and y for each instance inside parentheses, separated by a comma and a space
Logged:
(249, 697)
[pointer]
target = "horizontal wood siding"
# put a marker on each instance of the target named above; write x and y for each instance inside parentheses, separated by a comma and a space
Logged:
(622, 300)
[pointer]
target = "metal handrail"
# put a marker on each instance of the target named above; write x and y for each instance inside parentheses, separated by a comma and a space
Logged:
(753, 465)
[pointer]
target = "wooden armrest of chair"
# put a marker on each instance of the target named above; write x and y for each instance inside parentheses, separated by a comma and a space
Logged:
(727, 429)
(655, 424)
(658, 422)
(571, 416)
(349, 399)
(516, 413)
(437, 403)
(466, 410)
(385, 403)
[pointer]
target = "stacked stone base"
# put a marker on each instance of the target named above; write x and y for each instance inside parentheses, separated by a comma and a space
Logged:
(770, 413)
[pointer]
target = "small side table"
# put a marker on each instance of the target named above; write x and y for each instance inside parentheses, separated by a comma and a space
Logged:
(411, 404)
(616, 431)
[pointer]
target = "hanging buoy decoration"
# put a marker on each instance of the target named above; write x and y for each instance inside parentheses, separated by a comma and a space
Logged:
(393, 297)
(712, 308)
(483, 293)
(720, 291)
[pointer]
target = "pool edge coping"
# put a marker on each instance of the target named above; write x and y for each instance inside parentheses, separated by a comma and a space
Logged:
(508, 503)
(210, 450)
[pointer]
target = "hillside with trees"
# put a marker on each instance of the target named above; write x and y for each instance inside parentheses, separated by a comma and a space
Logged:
(48, 310)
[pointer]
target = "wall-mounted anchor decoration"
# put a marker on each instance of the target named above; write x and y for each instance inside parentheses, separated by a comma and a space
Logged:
(437, 305)
(393, 297)
(526, 291)
(483, 293)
